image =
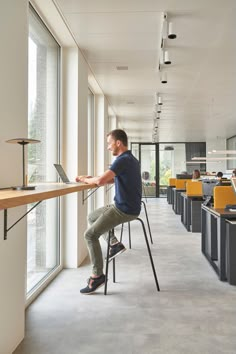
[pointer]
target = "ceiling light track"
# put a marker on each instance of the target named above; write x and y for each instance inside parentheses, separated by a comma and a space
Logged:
(167, 32)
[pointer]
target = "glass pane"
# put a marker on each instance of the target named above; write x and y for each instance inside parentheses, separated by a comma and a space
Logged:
(231, 145)
(42, 241)
(148, 170)
(91, 135)
(165, 169)
(171, 162)
(135, 150)
(43, 124)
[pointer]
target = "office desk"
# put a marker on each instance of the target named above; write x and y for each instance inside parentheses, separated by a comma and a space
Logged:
(191, 212)
(170, 195)
(177, 200)
(12, 198)
(214, 237)
(231, 251)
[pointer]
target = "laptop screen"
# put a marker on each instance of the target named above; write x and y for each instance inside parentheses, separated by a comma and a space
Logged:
(61, 173)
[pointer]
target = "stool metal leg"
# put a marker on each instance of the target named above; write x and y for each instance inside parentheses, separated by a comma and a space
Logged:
(121, 232)
(129, 235)
(114, 270)
(111, 232)
(107, 261)
(149, 229)
(150, 254)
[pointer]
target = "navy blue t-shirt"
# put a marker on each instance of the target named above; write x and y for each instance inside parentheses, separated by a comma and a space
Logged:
(128, 184)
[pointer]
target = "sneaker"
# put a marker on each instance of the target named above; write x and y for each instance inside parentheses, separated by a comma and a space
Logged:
(95, 283)
(115, 250)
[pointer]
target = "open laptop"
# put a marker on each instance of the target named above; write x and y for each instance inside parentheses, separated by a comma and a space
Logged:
(63, 175)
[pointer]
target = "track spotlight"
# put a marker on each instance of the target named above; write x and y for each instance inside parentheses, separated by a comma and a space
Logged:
(156, 115)
(157, 108)
(171, 33)
(166, 58)
(164, 78)
(158, 99)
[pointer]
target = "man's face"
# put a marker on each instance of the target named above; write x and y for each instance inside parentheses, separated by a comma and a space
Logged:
(113, 145)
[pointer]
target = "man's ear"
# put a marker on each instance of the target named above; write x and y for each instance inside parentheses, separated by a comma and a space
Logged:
(118, 143)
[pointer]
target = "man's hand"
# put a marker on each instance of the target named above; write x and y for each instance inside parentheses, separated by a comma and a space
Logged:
(106, 178)
(82, 178)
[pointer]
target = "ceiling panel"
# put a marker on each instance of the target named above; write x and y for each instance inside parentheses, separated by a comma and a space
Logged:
(199, 94)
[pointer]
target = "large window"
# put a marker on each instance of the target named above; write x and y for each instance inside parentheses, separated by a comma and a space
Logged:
(91, 133)
(43, 124)
(91, 137)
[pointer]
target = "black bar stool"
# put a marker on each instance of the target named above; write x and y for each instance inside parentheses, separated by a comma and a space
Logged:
(149, 229)
(149, 253)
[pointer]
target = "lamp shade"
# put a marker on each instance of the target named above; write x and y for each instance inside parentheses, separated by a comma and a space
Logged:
(22, 141)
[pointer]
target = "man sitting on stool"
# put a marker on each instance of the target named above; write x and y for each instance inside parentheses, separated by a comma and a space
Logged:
(125, 172)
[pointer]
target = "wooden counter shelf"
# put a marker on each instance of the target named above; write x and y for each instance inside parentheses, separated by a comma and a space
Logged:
(12, 198)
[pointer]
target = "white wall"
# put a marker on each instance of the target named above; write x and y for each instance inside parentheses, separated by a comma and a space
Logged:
(69, 153)
(112, 124)
(82, 153)
(13, 124)
(215, 144)
(74, 153)
(102, 159)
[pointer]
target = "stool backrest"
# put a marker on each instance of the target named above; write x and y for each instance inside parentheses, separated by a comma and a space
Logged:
(181, 183)
(223, 196)
(194, 188)
(172, 182)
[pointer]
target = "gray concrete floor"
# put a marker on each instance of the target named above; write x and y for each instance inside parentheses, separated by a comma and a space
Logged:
(193, 313)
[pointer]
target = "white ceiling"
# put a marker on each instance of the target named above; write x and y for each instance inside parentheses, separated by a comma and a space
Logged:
(199, 99)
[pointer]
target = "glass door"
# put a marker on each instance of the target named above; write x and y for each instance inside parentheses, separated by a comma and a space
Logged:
(150, 175)
(172, 158)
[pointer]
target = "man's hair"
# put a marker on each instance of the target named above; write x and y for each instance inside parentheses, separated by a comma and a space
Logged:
(119, 134)
(219, 174)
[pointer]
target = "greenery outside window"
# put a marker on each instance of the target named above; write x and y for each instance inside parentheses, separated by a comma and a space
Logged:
(43, 124)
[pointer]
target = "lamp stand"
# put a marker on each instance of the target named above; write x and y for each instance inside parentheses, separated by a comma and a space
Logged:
(23, 142)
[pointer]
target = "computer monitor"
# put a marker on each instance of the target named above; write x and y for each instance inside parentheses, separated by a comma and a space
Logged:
(224, 182)
(183, 176)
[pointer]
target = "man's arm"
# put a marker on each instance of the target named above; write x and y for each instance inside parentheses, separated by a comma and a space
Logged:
(106, 178)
